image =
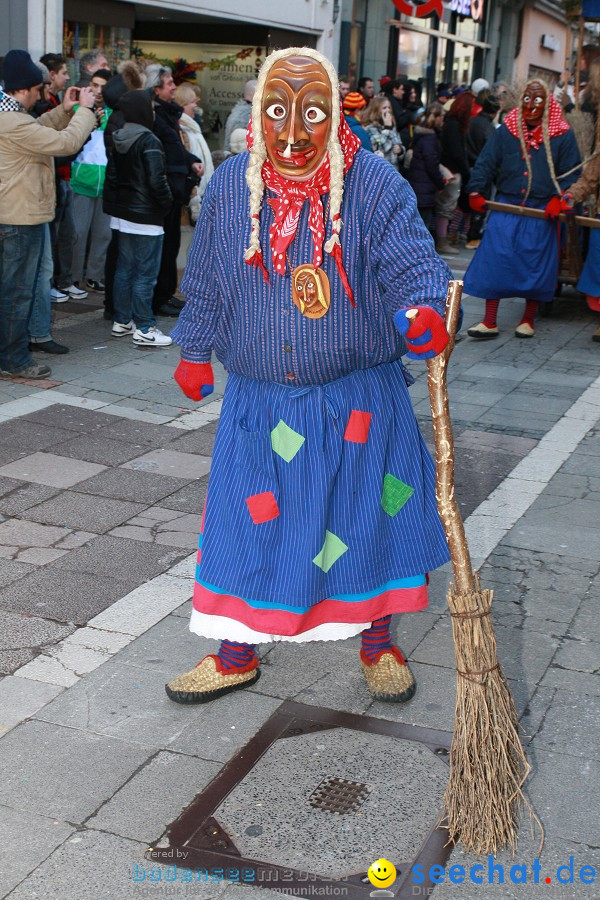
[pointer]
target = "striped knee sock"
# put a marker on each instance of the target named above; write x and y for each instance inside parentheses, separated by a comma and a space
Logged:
(234, 655)
(376, 638)
(491, 311)
(531, 307)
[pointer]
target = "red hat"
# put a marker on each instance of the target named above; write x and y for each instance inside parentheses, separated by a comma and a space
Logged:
(384, 80)
(353, 102)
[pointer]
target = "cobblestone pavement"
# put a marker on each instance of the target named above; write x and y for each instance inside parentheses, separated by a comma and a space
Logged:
(103, 472)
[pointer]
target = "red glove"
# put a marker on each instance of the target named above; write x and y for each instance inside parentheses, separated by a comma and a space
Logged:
(555, 206)
(425, 333)
(568, 202)
(196, 380)
(477, 202)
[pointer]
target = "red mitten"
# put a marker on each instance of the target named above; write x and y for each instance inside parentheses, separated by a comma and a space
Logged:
(567, 202)
(554, 207)
(425, 333)
(477, 202)
(196, 380)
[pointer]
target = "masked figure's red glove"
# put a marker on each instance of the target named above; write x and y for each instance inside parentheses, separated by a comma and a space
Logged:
(425, 333)
(196, 380)
(555, 206)
(477, 202)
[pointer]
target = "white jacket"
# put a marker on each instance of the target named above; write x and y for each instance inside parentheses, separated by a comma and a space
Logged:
(197, 145)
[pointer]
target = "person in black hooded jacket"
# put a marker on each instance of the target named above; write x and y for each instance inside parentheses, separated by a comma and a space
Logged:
(184, 171)
(138, 198)
(128, 78)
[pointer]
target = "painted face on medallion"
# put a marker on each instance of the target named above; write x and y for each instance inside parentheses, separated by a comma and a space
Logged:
(534, 102)
(310, 291)
(296, 116)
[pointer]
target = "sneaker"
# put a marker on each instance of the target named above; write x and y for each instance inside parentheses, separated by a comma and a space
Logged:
(472, 245)
(74, 292)
(151, 338)
(32, 371)
(57, 296)
(97, 286)
(118, 330)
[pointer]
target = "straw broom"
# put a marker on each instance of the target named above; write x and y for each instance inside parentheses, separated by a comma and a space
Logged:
(488, 766)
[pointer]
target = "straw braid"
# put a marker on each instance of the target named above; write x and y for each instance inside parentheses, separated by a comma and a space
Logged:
(258, 151)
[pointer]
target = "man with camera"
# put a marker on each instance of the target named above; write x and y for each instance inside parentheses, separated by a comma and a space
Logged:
(28, 195)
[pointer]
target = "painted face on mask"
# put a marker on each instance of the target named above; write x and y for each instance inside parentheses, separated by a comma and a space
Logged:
(296, 116)
(534, 102)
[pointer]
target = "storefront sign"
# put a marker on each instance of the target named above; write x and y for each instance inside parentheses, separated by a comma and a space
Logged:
(471, 8)
(421, 11)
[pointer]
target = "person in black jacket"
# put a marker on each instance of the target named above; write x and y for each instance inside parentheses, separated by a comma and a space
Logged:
(184, 171)
(395, 91)
(481, 127)
(454, 158)
(128, 78)
(138, 197)
(424, 174)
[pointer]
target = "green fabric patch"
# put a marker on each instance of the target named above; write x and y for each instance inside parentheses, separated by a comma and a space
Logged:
(395, 494)
(330, 552)
(285, 441)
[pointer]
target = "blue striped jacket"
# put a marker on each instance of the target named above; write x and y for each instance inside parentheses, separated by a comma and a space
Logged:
(256, 330)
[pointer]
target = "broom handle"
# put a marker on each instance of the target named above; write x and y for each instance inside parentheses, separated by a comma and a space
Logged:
(444, 450)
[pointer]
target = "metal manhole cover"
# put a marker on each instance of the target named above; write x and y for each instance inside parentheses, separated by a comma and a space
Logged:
(240, 822)
(338, 795)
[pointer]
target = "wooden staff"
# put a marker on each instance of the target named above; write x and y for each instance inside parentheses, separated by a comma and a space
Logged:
(585, 221)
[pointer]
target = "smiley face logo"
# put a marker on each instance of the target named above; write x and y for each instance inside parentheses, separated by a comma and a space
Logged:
(382, 873)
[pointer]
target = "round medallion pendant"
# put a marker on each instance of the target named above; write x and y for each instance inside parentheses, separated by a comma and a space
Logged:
(310, 291)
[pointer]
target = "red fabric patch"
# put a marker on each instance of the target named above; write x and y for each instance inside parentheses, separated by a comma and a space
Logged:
(357, 429)
(262, 507)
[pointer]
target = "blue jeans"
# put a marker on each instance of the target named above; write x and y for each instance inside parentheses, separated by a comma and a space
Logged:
(40, 319)
(137, 270)
(20, 248)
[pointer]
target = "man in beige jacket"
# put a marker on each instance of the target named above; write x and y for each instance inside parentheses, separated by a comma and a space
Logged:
(27, 195)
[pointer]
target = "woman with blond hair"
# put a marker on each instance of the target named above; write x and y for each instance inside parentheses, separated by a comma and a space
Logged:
(378, 121)
(193, 140)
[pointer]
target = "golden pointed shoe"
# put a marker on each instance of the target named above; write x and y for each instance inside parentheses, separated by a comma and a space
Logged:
(388, 676)
(209, 680)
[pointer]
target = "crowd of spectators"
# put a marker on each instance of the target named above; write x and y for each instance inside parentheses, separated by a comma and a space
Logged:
(117, 162)
(96, 203)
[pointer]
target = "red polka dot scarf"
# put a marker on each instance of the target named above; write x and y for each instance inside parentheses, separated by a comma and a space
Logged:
(288, 202)
(534, 137)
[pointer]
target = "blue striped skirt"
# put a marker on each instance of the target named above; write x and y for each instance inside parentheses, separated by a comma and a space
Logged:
(318, 491)
(517, 257)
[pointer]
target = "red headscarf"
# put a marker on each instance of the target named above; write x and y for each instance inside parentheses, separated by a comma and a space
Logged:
(534, 137)
(289, 200)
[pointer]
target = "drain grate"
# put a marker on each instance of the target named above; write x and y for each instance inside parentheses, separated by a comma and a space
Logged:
(338, 795)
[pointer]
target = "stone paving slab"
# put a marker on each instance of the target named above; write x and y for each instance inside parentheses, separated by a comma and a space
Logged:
(171, 462)
(73, 510)
(20, 698)
(125, 484)
(127, 561)
(32, 435)
(65, 596)
(17, 857)
(65, 773)
(99, 449)
(21, 635)
(123, 702)
(50, 469)
(87, 866)
(189, 499)
(154, 797)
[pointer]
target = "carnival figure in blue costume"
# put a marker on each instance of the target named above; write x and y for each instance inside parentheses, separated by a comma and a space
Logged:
(320, 519)
(527, 158)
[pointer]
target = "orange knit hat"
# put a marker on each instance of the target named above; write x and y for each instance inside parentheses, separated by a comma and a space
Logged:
(353, 102)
